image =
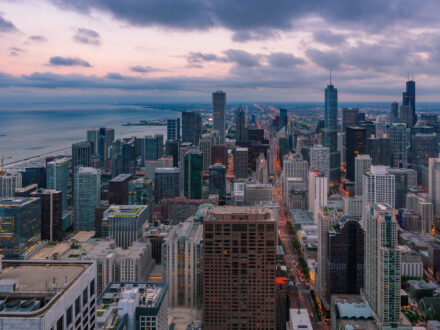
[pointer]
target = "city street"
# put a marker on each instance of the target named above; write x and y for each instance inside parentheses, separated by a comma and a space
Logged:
(300, 295)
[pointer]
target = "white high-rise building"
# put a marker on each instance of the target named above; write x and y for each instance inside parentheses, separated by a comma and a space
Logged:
(182, 264)
(378, 186)
(434, 183)
(318, 193)
(8, 183)
(320, 159)
(352, 206)
(362, 164)
(382, 264)
(421, 204)
(295, 167)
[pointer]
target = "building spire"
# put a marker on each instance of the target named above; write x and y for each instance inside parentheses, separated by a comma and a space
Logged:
(330, 75)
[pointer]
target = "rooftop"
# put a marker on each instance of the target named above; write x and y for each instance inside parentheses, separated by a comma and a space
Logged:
(300, 319)
(239, 213)
(16, 202)
(40, 281)
(167, 170)
(124, 211)
(145, 295)
(121, 178)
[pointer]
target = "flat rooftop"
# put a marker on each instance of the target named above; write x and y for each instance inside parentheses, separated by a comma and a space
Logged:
(239, 213)
(121, 178)
(37, 280)
(16, 202)
(124, 211)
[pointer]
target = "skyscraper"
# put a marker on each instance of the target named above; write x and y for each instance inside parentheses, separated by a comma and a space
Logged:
(58, 177)
(326, 219)
(193, 166)
(399, 144)
(124, 223)
(394, 113)
(330, 133)
(118, 189)
(191, 127)
(434, 183)
(409, 98)
(283, 118)
(405, 179)
(20, 226)
(153, 147)
(166, 183)
(317, 193)
(350, 117)
(345, 257)
(320, 159)
(219, 105)
(379, 150)
(362, 164)
(406, 115)
(86, 197)
(423, 147)
(81, 154)
(173, 129)
(101, 139)
(182, 264)
(219, 155)
(240, 126)
(382, 264)
(241, 163)
(217, 181)
(239, 274)
(378, 187)
(51, 214)
(355, 146)
(9, 182)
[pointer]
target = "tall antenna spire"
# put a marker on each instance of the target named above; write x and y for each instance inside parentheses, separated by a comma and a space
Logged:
(330, 75)
(412, 76)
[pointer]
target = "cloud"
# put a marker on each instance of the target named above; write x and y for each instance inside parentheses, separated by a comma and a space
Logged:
(259, 19)
(68, 61)
(37, 38)
(329, 38)
(326, 60)
(14, 51)
(115, 75)
(283, 60)
(87, 36)
(144, 69)
(239, 57)
(6, 26)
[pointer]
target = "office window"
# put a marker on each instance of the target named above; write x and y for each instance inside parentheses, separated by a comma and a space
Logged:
(60, 323)
(69, 315)
(92, 287)
(77, 305)
(85, 296)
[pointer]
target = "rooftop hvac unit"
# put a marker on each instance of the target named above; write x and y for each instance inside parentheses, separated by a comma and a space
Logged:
(29, 305)
(12, 305)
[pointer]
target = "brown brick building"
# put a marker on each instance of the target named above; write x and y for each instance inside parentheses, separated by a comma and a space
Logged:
(239, 268)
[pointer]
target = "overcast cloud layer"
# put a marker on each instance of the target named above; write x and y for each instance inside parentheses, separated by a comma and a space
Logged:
(279, 48)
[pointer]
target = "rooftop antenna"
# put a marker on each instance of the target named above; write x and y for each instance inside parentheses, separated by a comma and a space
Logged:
(412, 76)
(330, 76)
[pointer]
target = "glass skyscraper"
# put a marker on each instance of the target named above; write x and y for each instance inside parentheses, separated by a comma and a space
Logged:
(20, 226)
(193, 166)
(58, 177)
(86, 197)
(330, 132)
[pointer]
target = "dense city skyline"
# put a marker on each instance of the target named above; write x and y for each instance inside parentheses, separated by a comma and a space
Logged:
(166, 52)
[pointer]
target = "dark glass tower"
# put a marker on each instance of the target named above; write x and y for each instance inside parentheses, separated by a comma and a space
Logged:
(283, 118)
(240, 123)
(193, 166)
(355, 146)
(217, 181)
(191, 127)
(394, 114)
(330, 132)
(409, 97)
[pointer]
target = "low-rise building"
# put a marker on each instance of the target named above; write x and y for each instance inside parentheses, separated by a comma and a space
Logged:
(133, 305)
(299, 319)
(48, 294)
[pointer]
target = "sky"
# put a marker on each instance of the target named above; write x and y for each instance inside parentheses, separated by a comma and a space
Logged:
(255, 50)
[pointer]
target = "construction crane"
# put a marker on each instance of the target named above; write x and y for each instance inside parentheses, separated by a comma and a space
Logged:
(3, 164)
